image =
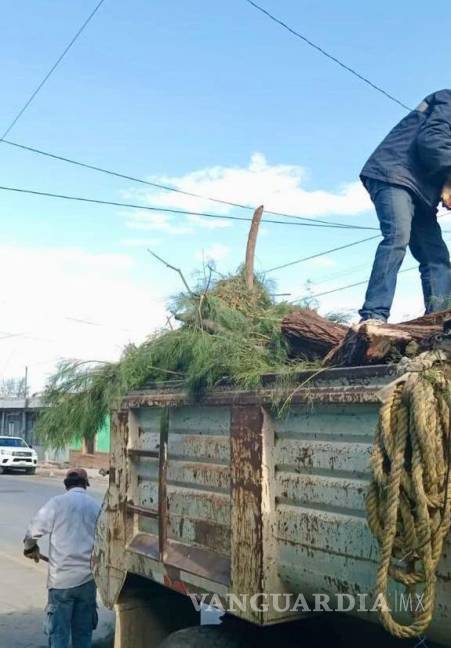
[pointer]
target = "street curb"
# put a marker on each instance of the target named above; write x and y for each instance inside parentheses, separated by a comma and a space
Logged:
(49, 470)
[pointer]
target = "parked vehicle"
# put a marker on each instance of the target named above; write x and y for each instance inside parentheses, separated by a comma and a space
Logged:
(222, 500)
(16, 454)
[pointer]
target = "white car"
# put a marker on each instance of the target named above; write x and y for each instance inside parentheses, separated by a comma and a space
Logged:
(15, 454)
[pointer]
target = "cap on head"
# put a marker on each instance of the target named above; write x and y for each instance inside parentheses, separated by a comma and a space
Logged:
(77, 473)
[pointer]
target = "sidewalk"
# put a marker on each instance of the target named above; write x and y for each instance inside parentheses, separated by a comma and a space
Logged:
(56, 469)
(59, 471)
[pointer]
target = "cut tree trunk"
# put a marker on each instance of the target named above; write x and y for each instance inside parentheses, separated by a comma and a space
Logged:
(312, 336)
(250, 249)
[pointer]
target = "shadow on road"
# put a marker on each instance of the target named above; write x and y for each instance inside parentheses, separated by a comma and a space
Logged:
(324, 631)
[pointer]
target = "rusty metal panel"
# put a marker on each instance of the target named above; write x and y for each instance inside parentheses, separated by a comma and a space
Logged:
(323, 491)
(322, 453)
(309, 570)
(254, 504)
(322, 457)
(345, 533)
(196, 501)
(247, 522)
(108, 558)
(342, 385)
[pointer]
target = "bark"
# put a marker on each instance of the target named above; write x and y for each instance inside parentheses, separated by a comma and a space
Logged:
(250, 249)
(310, 335)
(313, 337)
(369, 344)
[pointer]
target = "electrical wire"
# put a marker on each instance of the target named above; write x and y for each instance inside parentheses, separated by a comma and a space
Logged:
(169, 210)
(320, 254)
(292, 31)
(163, 187)
(353, 285)
(52, 69)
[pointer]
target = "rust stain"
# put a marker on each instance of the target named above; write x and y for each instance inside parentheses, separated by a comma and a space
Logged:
(211, 535)
(247, 568)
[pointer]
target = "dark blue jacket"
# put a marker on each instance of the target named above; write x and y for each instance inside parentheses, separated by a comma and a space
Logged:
(417, 153)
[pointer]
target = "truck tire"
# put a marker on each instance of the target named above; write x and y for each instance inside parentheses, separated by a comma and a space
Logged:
(213, 636)
(30, 471)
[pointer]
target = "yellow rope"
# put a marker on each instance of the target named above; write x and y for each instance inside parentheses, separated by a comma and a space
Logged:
(409, 499)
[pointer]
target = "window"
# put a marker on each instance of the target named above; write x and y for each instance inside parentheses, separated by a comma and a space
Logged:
(12, 442)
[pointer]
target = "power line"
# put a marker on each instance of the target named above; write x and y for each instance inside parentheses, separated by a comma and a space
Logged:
(320, 254)
(169, 210)
(170, 188)
(326, 54)
(353, 285)
(52, 69)
(333, 276)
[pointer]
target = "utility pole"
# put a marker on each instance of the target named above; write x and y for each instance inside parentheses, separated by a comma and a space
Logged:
(25, 404)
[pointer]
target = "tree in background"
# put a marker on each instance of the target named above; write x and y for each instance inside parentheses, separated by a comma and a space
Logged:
(12, 387)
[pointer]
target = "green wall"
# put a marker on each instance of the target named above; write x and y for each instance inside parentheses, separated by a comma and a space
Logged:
(102, 438)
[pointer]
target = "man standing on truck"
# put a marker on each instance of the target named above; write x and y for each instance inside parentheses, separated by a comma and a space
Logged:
(69, 520)
(406, 176)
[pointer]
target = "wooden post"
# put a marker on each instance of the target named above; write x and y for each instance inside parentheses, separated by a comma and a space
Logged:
(250, 249)
(25, 403)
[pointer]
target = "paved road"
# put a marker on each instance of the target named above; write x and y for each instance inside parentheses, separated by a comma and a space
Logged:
(22, 582)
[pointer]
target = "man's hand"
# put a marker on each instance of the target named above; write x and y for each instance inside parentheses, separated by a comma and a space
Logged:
(33, 553)
(446, 194)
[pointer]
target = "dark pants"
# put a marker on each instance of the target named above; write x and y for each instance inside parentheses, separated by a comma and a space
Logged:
(404, 221)
(73, 612)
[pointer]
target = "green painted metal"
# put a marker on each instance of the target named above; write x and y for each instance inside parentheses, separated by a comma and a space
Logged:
(102, 438)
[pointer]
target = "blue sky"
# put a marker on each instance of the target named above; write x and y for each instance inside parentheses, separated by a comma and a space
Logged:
(213, 97)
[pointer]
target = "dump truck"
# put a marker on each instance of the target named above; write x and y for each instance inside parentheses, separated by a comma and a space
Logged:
(221, 502)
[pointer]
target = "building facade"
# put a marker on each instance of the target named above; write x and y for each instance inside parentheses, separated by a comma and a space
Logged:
(18, 417)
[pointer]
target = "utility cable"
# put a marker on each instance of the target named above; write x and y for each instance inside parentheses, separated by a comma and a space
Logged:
(164, 187)
(353, 285)
(169, 210)
(320, 254)
(52, 69)
(283, 24)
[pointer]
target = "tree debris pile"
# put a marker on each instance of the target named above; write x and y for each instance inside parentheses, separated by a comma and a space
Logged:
(312, 336)
(226, 333)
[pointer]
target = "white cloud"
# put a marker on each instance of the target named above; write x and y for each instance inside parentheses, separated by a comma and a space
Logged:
(47, 292)
(156, 222)
(140, 242)
(216, 252)
(322, 262)
(280, 187)
(209, 223)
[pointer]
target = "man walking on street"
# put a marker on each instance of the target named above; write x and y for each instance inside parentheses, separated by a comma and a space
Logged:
(406, 176)
(69, 520)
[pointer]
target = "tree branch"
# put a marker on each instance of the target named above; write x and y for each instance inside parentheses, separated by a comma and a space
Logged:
(171, 267)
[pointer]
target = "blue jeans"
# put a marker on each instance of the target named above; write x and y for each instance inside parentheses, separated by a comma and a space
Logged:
(404, 221)
(73, 612)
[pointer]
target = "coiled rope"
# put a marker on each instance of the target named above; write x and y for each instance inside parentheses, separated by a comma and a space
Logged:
(408, 501)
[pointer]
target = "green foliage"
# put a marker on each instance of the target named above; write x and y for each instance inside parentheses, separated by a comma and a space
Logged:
(227, 334)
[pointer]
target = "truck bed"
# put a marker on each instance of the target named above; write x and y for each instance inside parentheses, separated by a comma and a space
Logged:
(221, 497)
